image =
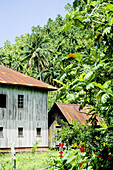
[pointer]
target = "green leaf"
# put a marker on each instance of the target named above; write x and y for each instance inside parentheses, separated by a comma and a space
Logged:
(103, 124)
(98, 94)
(89, 168)
(69, 16)
(70, 97)
(89, 86)
(67, 26)
(63, 77)
(109, 7)
(81, 76)
(98, 85)
(98, 66)
(68, 67)
(107, 84)
(106, 30)
(108, 91)
(78, 56)
(104, 98)
(58, 81)
(82, 92)
(88, 76)
(67, 154)
(71, 159)
(93, 3)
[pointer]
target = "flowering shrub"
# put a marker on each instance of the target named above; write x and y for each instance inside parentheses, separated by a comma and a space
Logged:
(92, 145)
(91, 84)
(72, 159)
(78, 159)
(82, 149)
(80, 163)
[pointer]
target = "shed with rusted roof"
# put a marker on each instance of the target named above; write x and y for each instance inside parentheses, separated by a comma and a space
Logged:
(67, 113)
(23, 110)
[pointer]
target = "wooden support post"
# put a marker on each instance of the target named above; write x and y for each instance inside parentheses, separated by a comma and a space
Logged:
(13, 154)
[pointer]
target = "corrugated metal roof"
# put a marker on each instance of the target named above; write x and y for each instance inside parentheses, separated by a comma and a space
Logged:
(71, 112)
(9, 76)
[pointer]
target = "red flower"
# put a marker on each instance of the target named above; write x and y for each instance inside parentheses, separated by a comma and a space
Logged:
(109, 158)
(99, 156)
(61, 154)
(82, 149)
(61, 145)
(80, 163)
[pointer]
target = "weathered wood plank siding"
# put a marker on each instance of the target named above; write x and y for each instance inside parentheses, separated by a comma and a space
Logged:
(33, 115)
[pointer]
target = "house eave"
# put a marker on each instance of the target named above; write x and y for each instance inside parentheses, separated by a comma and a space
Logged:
(30, 86)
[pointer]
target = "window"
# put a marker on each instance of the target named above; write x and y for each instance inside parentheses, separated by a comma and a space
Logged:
(2, 100)
(20, 101)
(1, 131)
(38, 131)
(58, 126)
(20, 131)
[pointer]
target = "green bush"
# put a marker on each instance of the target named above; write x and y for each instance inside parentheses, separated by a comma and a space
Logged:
(97, 142)
(35, 146)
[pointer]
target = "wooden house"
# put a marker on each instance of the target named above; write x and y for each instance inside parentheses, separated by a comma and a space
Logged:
(67, 113)
(23, 110)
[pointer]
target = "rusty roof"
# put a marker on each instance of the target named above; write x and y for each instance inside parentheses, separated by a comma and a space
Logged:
(71, 112)
(9, 76)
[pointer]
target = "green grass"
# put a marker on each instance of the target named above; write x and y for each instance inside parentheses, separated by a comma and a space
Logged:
(29, 161)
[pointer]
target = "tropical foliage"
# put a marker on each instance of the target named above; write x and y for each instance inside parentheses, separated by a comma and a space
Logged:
(39, 54)
(76, 55)
(88, 80)
(92, 141)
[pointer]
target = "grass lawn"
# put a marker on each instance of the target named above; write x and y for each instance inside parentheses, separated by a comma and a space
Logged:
(29, 161)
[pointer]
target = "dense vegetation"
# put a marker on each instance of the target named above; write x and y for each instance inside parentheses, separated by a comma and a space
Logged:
(76, 55)
(89, 80)
(39, 54)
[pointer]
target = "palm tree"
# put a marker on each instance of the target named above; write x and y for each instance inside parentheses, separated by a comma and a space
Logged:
(36, 55)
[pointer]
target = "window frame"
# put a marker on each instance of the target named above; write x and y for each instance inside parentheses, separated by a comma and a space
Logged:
(1, 131)
(38, 135)
(20, 135)
(20, 101)
(3, 101)
(58, 127)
